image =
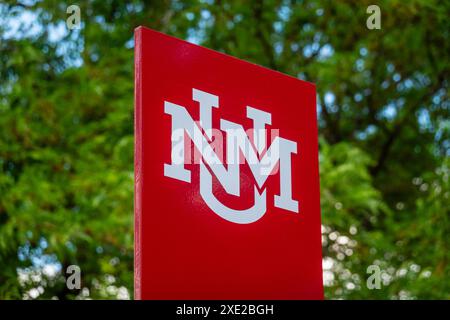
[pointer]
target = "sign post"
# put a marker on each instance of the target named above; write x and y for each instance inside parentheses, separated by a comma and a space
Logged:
(226, 177)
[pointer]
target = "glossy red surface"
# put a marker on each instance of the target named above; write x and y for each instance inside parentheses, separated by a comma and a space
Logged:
(183, 250)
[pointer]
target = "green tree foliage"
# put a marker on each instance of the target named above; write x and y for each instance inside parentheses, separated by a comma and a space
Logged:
(66, 135)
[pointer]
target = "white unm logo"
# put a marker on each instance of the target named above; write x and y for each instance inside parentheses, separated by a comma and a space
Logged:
(262, 160)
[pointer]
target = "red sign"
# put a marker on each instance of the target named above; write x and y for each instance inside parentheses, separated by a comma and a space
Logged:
(226, 177)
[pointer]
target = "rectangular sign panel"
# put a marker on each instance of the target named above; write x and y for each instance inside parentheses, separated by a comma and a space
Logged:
(226, 177)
